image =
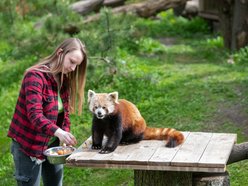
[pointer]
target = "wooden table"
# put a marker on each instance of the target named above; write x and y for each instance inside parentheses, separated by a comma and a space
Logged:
(201, 152)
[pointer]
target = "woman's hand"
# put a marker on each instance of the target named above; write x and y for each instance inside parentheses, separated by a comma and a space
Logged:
(65, 137)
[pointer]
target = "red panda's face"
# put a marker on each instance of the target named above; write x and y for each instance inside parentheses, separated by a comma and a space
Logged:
(102, 104)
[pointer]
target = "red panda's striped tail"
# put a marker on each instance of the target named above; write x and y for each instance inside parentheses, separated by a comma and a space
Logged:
(173, 137)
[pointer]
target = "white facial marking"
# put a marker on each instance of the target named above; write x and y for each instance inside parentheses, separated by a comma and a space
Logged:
(111, 108)
(100, 113)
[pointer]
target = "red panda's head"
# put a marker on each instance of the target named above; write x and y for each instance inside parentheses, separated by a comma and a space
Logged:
(102, 104)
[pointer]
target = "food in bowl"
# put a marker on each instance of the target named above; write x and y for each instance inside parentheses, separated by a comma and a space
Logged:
(62, 151)
(58, 155)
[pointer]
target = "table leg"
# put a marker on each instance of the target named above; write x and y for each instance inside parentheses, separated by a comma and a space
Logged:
(162, 178)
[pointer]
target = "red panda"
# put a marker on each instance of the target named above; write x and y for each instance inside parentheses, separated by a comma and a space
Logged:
(122, 123)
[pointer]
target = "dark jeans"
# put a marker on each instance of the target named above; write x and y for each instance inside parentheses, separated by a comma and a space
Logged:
(28, 172)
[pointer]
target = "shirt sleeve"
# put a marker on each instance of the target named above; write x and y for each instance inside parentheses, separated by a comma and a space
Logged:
(33, 82)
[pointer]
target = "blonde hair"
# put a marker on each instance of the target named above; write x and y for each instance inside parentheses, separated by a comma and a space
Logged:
(76, 79)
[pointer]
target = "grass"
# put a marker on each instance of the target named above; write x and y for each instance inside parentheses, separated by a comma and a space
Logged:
(187, 84)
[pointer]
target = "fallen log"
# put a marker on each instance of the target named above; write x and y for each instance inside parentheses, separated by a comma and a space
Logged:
(113, 3)
(239, 153)
(144, 9)
(86, 6)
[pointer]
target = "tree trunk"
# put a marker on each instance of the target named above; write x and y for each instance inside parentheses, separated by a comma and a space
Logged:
(162, 178)
(240, 25)
(234, 23)
(144, 9)
(226, 16)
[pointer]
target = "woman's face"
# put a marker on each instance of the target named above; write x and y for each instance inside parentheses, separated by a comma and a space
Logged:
(72, 60)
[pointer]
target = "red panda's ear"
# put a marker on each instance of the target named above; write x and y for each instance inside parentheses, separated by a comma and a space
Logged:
(114, 96)
(91, 94)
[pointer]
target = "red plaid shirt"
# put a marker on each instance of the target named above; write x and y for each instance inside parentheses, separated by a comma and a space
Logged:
(36, 112)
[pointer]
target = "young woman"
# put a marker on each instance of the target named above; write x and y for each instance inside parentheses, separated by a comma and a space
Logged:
(49, 92)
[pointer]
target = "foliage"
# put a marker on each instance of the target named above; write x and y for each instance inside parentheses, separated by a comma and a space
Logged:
(166, 24)
(215, 42)
(40, 30)
(241, 56)
(184, 84)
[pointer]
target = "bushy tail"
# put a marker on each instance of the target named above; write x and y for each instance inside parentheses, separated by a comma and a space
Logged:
(172, 136)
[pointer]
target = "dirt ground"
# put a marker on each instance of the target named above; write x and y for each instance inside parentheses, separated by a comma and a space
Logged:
(232, 114)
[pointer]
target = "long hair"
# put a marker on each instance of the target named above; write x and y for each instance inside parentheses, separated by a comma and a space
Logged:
(76, 78)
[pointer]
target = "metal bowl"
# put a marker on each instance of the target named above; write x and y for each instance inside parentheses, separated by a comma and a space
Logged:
(54, 158)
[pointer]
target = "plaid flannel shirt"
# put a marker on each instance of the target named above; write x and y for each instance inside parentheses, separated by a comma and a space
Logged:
(36, 112)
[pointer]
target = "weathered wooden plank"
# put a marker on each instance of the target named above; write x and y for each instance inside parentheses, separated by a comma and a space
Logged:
(192, 149)
(82, 153)
(218, 150)
(122, 153)
(144, 151)
(163, 156)
(80, 157)
(143, 167)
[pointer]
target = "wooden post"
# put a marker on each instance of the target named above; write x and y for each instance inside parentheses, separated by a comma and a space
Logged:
(162, 178)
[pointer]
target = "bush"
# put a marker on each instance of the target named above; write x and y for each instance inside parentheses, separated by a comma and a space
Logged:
(241, 56)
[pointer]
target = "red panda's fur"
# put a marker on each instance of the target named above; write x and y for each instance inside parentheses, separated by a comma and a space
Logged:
(132, 117)
(122, 122)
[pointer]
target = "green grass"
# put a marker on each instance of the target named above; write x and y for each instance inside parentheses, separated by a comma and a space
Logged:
(187, 85)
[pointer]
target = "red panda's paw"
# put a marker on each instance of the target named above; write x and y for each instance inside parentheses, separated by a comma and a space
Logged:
(96, 146)
(124, 143)
(106, 150)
